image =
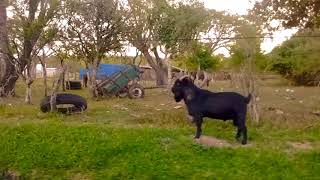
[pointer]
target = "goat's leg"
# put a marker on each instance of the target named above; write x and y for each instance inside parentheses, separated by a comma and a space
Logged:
(243, 130)
(244, 133)
(238, 135)
(198, 122)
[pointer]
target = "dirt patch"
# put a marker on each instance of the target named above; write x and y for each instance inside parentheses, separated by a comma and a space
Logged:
(9, 175)
(80, 176)
(212, 142)
(301, 145)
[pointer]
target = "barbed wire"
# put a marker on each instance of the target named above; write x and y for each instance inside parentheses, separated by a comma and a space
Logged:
(219, 38)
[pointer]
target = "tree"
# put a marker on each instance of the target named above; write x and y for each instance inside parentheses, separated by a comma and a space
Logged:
(94, 29)
(29, 33)
(178, 27)
(297, 59)
(202, 59)
(7, 69)
(160, 27)
(291, 13)
(216, 31)
(244, 54)
(219, 30)
(139, 21)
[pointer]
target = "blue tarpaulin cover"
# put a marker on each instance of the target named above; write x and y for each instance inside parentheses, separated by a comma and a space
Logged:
(105, 70)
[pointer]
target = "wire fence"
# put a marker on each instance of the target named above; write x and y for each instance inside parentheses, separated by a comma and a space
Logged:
(219, 38)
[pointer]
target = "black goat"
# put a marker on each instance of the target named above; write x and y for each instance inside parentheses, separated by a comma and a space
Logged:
(202, 103)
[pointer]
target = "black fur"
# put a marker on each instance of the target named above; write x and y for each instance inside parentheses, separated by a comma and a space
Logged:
(202, 103)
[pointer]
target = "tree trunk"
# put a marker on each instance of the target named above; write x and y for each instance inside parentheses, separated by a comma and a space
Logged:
(28, 93)
(205, 80)
(169, 74)
(45, 83)
(197, 78)
(246, 82)
(160, 71)
(8, 75)
(93, 81)
(29, 81)
(56, 85)
(161, 76)
(44, 76)
(254, 111)
(63, 82)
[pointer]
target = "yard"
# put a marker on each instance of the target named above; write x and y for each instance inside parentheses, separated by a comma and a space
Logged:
(150, 139)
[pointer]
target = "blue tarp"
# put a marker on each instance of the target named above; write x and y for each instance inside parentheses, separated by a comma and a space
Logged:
(105, 70)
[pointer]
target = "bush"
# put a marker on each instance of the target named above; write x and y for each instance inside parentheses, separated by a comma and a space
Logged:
(298, 59)
(239, 56)
(198, 56)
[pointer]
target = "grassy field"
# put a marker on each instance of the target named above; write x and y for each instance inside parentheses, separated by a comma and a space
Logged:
(150, 139)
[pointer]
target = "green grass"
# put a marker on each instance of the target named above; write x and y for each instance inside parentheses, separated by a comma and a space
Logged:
(149, 139)
(60, 151)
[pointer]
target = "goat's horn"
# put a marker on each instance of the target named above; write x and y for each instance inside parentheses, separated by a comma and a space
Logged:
(182, 77)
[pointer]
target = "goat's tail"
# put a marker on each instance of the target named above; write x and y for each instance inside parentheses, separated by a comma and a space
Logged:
(247, 99)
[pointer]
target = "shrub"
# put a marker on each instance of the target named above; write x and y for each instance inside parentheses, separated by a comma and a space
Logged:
(298, 59)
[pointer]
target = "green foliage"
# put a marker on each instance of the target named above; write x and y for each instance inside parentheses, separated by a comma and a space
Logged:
(262, 61)
(123, 60)
(298, 59)
(239, 56)
(202, 57)
(291, 13)
(199, 56)
(173, 23)
(246, 52)
(35, 29)
(94, 29)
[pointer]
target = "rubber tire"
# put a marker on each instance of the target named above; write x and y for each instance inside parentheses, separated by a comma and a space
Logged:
(73, 85)
(131, 93)
(78, 102)
(122, 95)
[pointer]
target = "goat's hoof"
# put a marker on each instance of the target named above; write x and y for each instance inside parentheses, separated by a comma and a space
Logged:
(244, 142)
(196, 137)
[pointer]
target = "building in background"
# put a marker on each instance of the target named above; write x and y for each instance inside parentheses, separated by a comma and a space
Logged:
(51, 72)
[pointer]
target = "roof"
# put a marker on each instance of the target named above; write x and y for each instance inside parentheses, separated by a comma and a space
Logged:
(105, 70)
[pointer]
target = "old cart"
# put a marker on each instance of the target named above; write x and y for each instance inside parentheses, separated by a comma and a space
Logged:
(122, 83)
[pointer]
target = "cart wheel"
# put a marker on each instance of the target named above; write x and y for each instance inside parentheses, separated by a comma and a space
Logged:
(122, 94)
(136, 91)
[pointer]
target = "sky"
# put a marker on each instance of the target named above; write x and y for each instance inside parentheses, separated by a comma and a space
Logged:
(232, 6)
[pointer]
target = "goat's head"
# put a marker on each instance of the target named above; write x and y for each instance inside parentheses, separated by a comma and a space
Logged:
(180, 87)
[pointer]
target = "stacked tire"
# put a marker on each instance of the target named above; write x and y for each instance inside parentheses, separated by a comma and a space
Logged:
(74, 102)
(73, 85)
